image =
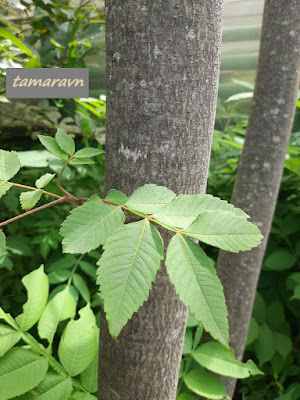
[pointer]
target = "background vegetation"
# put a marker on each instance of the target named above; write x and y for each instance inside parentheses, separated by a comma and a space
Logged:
(55, 35)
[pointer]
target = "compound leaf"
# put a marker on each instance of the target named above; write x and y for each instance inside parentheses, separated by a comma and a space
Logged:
(127, 269)
(220, 359)
(197, 285)
(205, 384)
(44, 180)
(88, 226)
(60, 307)
(20, 371)
(65, 142)
(51, 145)
(8, 338)
(4, 187)
(184, 209)
(78, 344)
(37, 286)
(9, 165)
(224, 230)
(149, 198)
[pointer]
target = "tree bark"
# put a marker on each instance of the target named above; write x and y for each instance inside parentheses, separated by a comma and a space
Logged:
(262, 161)
(163, 62)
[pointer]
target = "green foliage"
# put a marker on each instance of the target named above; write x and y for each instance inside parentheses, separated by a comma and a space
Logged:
(49, 34)
(20, 371)
(37, 287)
(2, 243)
(131, 258)
(205, 384)
(65, 142)
(4, 188)
(78, 344)
(9, 165)
(44, 180)
(52, 145)
(224, 230)
(197, 285)
(184, 209)
(60, 307)
(149, 198)
(220, 359)
(29, 199)
(8, 338)
(53, 387)
(127, 269)
(89, 225)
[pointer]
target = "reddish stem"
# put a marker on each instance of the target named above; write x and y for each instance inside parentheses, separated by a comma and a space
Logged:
(52, 203)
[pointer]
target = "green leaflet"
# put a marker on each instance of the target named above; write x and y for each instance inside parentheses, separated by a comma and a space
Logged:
(117, 197)
(82, 287)
(81, 161)
(53, 387)
(283, 344)
(184, 209)
(185, 396)
(37, 286)
(149, 198)
(265, 344)
(2, 243)
(9, 165)
(65, 142)
(20, 371)
(4, 187)
(224, 230)
(89, 377)
(44, 180)
(8, 319)
(88, 226)
(12, 37)
(29, 199)
(220, 359)
(51, 145)
(8, 338)
(84, 396)
(197, 285)
(88, 152)
(78, 344)
(61, 307)
(205, 384)
(127, 269)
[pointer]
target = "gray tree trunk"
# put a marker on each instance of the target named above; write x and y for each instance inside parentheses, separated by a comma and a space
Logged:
(262, 160)
(162, 77)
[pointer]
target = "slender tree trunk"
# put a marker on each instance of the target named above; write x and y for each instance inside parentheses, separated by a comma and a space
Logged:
(262, 160)
(163, 62)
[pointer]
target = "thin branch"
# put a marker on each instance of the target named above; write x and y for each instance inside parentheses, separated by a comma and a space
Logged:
(25, 214)
(32, 188)
(64, 191)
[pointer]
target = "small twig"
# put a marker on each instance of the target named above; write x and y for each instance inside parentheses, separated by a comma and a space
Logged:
(32, 188)
(72, 198)
(25, 214)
